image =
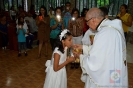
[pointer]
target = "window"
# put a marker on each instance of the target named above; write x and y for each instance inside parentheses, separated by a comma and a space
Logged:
(14, 2)
(19, 2)
(48, 3)
(112, 5)
(6, 5)
(1, 5)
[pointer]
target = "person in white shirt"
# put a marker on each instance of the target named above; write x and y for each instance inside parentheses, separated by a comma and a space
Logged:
(32, 23)
(12, 13)
(104, 65)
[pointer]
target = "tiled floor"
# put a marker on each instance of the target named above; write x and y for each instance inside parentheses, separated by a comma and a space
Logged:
(29, 72)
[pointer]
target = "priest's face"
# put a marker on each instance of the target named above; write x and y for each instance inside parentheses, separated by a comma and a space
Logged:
(91, 21)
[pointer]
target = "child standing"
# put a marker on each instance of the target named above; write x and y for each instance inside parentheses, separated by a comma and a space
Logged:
(21, 38)
(56, 71)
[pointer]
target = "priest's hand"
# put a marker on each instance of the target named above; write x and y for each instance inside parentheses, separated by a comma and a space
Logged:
(77, 47)
(76, 55)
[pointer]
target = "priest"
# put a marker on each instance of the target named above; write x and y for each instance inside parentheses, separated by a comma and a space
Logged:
(104, 64)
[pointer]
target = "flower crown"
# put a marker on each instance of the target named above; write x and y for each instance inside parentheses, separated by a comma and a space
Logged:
(63, 33)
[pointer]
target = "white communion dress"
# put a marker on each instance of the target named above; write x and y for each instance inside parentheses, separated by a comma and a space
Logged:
(56, 79)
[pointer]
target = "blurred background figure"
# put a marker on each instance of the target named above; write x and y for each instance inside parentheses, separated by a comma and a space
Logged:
(51, 12)
(43, 23)
(28, 35)
(4, 31)
(32, 9)
(125, 18)
(75, 26)
(12, 13)
(21, 37)
(83, 14)
(32, 23)
(67, 14)
(56, 25)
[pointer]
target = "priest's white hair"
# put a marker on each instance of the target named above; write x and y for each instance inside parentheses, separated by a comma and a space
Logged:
(95, 12)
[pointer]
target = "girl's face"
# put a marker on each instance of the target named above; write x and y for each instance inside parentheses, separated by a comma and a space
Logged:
(42, 11)
(122, 9)
(68, 41)
(21, 19)
(75, 14)
(58, 12)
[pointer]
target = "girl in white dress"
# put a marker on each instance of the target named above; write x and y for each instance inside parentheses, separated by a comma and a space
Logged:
(56, 72)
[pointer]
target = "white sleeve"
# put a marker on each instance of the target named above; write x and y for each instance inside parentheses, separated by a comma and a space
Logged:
(57, 51)
(25, 26)
(17, 21)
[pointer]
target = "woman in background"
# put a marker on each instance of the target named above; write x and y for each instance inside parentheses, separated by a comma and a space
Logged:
(56, 25)
(43, 23)
(126, 18)
(51, 12)
(75, 26)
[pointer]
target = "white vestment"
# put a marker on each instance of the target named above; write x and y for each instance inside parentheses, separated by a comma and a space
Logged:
(103, 65)
(86, 38)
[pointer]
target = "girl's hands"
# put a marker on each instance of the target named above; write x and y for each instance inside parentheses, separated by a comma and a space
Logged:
(70, 59)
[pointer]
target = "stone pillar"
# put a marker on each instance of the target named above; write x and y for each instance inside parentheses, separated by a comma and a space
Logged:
(130, 7)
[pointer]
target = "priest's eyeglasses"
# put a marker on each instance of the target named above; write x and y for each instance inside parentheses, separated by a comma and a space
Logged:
(89, 20)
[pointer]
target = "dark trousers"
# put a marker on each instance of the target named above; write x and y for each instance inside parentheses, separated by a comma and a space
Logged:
(4, 40)
(21, 45)
(52, 41)
(125, 34)
(29, 40)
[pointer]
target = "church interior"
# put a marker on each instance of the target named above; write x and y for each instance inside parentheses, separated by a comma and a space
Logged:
(28, 71)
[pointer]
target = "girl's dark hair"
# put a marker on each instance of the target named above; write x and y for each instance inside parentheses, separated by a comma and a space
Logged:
(19, 19)
(75, 9)
(57, 9)
(45, 11)
(82, 13)
(20, 23)
(58, 43)
(125, 6)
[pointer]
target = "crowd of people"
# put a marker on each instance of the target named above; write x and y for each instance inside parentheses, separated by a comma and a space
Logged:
(97, 42)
